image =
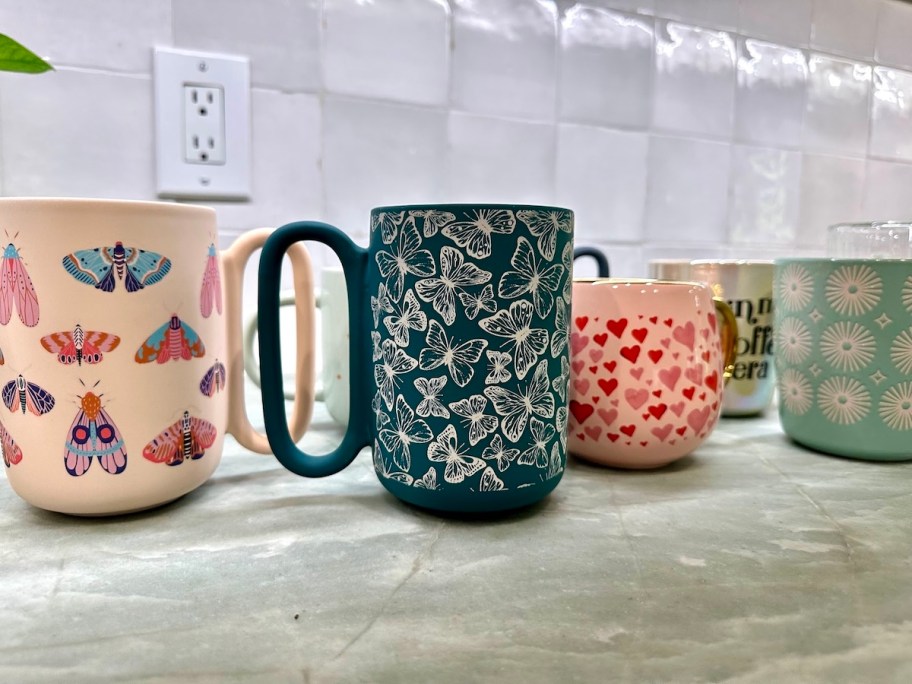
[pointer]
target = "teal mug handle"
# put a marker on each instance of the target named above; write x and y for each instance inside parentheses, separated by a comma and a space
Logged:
(354, 263)
(601, 261)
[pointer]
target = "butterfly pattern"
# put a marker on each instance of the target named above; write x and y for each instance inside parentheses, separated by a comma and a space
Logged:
(103, 267)
(16, 289)
(214, 380)
(175, 340)
(185, 440)
(78, 345)
(93, 435)
(471, 358)
(21, 395)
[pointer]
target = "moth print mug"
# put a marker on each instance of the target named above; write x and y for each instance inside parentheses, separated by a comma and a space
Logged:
(120, 331)
(459, 352)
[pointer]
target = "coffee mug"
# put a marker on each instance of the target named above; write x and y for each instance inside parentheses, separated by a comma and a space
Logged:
(649, 362)
(843, 332)
(334, 326)
(669, 269)
(747, 287)
(458, 352)
(121, 337)
(333, 304)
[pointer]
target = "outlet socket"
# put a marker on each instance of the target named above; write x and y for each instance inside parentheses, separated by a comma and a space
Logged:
(202, 125)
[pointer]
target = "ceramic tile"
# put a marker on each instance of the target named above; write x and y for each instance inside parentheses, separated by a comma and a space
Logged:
(765, 187)
(891, 114)
(836, 119)
(388, 49)
(520, 38)
(886, 193)
(601, 175)
(687, 200)
(605, 66)
(625, 260)
(57, 141)
(500, 160)
(831, 192)
(377, 154)
(772, 88)
(287, 184)
(715, 13)
(782, 21)
(639, 6)
(104, 34)
(894, 26)
(845, 27)
(694, 80)
(281, 38)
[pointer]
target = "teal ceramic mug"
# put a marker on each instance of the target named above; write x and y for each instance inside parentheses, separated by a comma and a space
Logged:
(843, 353)
(458, 349)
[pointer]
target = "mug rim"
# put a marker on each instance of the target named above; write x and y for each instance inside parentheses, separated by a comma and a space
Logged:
(463, 206)
(733, 262)
(839, 260)
(868, 224)
(613, 280)
(77, 203)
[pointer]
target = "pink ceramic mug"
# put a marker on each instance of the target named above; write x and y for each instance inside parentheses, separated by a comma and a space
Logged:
(649, 361)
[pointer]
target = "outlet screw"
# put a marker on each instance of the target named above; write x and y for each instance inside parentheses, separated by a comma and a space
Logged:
(204, 181)
(203, 67)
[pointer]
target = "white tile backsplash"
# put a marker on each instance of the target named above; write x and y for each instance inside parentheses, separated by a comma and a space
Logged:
(100, 34)
(694, 80)
(687, 199)
(388, 49)
(765, 185)
(505, 57)
(96, 143)
(281, 38)
(845, 27)
(894, 26)
(781, 21)
(891, 114)
(602, 175)
(831, 191)
(886, 192)
(376, 153)
(705, 127)
(771, 96)
(500, 160)
(838, 101)
(606, 67)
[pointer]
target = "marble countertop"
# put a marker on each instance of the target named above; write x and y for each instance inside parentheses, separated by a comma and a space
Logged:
(751, 561)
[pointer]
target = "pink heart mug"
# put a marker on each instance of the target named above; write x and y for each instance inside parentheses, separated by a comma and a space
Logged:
(649, 363)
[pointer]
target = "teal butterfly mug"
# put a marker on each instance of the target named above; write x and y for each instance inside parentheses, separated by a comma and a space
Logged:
(458, 351)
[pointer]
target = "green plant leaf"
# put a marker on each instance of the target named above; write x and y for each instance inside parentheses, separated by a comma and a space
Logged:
(16, 57)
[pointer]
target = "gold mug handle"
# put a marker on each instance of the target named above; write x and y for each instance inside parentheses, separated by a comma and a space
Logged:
(728, 334)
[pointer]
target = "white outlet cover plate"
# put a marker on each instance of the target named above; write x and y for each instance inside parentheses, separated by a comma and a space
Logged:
(176, 177)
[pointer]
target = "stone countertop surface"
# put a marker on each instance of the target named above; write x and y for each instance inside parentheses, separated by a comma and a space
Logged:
(753, 560)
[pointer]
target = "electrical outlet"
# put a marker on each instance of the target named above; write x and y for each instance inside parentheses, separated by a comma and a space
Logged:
(204, 125)
(202, 122)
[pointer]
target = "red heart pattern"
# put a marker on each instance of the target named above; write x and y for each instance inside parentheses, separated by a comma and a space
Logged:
(661, 404)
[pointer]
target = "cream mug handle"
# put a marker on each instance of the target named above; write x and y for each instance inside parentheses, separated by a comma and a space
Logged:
(250, 333)
(234, 261)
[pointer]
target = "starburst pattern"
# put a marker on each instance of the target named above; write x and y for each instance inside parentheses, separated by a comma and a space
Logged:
(843, 400)
(896, 406)
(847, 346)
(853, 290)
(901, 351)
(796, 287)
(796, 391)
(794, 340)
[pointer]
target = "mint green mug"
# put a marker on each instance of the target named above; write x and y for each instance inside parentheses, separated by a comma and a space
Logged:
(843, 352)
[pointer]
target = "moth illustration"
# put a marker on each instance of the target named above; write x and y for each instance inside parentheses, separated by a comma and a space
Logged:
(211, 293)
(12, 454)
(80, 345)
(93, 434)
(16, 289)
(214, 380)
(135, 267)
(188, 438)
(174, 340)
(2, 358)
(23, 395)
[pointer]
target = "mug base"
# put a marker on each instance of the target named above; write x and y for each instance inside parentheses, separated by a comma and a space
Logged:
(475, 504)
(628, 465)
(840, 452)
